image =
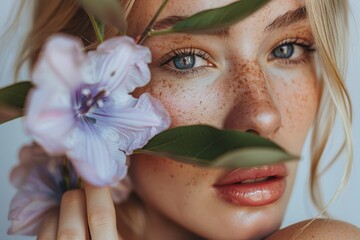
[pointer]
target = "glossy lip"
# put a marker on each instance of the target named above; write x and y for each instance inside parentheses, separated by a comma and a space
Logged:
(231, 189)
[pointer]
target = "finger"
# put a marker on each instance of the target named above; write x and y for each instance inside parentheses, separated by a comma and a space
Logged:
(101, 213)
(48, 228)
(73, 220)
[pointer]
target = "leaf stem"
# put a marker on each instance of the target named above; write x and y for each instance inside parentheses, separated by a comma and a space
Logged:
(98, 32)
(148, 29)
(160, 32)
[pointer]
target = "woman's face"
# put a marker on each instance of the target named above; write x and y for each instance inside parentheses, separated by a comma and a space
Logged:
(257, 76)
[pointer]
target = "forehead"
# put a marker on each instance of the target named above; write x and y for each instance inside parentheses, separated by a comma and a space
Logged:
(144, 10)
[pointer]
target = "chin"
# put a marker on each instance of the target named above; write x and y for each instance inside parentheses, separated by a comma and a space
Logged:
(259, 232)
(229, 222)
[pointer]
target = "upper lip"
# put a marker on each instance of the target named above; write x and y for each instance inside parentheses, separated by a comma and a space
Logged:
(242, 174)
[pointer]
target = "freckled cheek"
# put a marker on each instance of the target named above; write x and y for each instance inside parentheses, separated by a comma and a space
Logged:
(189, 101)
(167, 184)
(155, 178)
(298, 101)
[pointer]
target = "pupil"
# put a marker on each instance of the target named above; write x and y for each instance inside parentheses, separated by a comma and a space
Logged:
(184, 62)
(285, 51)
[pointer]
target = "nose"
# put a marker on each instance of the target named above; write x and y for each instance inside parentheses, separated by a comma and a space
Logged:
(254, 109)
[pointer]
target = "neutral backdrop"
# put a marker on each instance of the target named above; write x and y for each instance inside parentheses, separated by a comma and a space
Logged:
(346, 206)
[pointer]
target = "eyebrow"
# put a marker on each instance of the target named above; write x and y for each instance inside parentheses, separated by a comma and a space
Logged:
(285, 20)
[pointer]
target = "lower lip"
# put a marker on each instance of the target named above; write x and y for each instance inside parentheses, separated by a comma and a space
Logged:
(253, 194)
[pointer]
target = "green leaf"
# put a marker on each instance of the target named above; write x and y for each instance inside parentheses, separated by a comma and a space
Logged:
(207, 146)
(15, 95)
(215, 19)
(12, 100)
(107, 11)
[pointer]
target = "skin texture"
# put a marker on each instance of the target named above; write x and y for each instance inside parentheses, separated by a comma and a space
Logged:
(319, 229)
(242, 87)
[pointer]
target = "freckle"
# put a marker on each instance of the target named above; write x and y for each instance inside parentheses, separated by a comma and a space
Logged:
(181, 166)
(194, 182)
(188, 194)
(172, 176)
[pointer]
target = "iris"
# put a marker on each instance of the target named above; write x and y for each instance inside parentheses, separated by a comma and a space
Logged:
(284, 51)
(184, 62)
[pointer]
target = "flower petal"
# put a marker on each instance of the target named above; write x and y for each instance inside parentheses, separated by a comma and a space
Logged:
(27, 210)
(50, 117)
(37, 194)
(61, 52)
(28, 156)
(135, 126)
(99, 162)
(118, 57)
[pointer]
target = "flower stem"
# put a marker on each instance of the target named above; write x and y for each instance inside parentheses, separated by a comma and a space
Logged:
(148, 29)
(98, 32)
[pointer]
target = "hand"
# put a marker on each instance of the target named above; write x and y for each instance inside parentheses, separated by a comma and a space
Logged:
(83, 213)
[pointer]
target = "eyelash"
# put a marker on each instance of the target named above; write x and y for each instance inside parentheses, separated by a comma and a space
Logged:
(186, 52)
(308, 48)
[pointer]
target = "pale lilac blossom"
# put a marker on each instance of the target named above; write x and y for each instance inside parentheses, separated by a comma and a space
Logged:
(40, 181)
(82, 106)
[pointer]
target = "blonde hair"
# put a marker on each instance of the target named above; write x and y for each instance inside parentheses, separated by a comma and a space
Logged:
(329, 22)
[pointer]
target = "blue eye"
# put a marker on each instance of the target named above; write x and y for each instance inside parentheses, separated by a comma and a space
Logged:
(184, 62)
(187, 62)
(284, 51)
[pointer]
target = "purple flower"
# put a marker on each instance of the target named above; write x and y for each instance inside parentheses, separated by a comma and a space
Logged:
(40, 184)
(82, 106)
(41, 181)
